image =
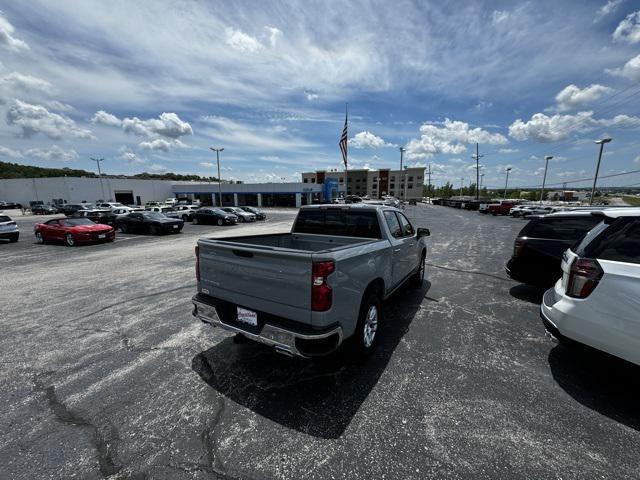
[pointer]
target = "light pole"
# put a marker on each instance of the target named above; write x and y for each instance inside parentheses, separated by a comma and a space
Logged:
(218, 150)
(595, 179)
(402, 150)
(481, 178)
(461, 182)
(405, 184)
(544, 179)
(98, 160)
(506, 182)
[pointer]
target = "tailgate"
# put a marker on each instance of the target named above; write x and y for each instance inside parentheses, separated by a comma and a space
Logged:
(255, 276)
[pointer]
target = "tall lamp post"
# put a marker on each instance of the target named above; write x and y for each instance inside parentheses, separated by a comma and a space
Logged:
(506, 182)
(461, 182)
(477, 158)
(481, 178)
(544, 179)
(405, 184)
(218, 150)
(595, 179)
(98, 160)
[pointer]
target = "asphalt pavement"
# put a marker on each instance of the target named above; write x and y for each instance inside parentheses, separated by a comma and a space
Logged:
(106, 374)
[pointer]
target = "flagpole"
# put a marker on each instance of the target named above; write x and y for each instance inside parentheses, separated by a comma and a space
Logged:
(346, 149)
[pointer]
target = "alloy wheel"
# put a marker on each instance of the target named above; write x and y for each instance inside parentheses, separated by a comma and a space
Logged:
(370, 326)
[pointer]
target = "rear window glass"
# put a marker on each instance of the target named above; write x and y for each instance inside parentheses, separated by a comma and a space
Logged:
(339, 222)
(619, 242)
(560, 228)
(4, 218)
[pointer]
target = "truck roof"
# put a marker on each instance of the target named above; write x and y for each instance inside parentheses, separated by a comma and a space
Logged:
(348, 206)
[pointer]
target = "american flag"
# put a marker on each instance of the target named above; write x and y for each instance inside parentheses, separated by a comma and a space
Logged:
(343, 142)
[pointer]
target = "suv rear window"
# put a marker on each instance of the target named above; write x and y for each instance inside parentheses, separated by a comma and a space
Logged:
(4, 218)
(619, 241)
(338, 222)
(560, 228)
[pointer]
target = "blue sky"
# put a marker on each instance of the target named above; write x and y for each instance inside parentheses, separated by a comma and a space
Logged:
(150, 85)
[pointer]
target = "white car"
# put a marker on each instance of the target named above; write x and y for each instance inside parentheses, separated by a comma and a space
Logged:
(8, 229)
(124, 210)
(597, 300)
(241, 214)
(165, 210)
(185, 212)
(110, 205)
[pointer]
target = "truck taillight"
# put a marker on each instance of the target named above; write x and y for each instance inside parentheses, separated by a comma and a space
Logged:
(584, 275)
(518, 248)
(321, 294)
(198, 263)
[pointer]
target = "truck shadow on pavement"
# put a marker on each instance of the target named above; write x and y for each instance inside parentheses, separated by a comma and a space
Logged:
(318, 397)
(599, 381)
(528, 293)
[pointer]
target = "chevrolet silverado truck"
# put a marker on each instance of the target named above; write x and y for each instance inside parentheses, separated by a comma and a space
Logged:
(308, 291)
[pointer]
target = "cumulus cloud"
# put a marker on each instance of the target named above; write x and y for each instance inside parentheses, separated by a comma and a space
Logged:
(15, 82)
(637, 159)
(607, 8)
(157, 168)
(368, 140)
(573, 96)
(104, 118)
(167, 125)
(629, 29)
(630, 70)
(7, 39)
(33, 119)
(546, 129)
(311, 95)
(241, 41)
(54, 153)
(508, 150)
(207, 164)
(274, 35)
(451, 137)
(162, 145)
(9, 152)
(130, 157)
(56, 105)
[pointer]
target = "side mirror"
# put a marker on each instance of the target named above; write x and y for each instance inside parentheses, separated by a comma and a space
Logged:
(424, 232)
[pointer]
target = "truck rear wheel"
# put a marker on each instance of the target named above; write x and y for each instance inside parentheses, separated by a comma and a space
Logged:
(365, 336)
(418, 277)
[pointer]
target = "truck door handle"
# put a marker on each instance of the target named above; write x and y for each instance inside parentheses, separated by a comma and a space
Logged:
(397, 249)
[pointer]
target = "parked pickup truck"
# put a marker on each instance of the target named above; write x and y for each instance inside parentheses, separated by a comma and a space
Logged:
(307, 291)
(502, 208)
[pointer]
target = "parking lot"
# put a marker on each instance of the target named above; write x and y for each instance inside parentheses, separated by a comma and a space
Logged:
(107, 375)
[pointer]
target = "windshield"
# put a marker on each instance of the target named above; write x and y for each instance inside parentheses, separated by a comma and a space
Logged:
(154, 215)
(219, 211)
(4, 218)
(75, 222)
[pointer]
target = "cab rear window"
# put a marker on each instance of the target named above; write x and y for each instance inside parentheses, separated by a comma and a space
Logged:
(338, 222)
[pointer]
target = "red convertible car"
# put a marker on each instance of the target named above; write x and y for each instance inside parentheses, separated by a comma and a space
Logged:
(73, 231)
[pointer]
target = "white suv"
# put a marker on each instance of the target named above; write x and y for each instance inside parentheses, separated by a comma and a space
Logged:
(597, 300)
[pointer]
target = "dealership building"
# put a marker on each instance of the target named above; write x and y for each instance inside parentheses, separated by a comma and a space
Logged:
(315, 187)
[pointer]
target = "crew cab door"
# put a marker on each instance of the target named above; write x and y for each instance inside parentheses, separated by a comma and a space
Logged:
(402, 248)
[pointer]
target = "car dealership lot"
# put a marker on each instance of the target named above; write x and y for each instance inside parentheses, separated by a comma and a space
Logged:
(106, 373)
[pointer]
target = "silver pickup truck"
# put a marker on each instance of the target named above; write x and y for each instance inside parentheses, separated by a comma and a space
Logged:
(307, 291)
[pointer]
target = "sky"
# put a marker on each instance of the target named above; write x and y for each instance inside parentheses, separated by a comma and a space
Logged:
(151, 85)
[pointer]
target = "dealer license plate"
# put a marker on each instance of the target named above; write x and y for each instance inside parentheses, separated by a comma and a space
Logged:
(247, 316)
(102, 236)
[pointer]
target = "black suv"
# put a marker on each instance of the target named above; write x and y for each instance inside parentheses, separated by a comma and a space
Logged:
(538, 248)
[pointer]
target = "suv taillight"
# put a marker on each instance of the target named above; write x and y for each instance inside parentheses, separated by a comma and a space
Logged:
(198, 263)
(584, 275)
(321, 294)
(518, 248)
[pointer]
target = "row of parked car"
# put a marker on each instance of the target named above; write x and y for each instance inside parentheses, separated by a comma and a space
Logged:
(590, 259)
(87, 223)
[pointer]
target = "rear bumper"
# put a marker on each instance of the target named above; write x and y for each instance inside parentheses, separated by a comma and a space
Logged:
(285, 340)
(10, 235)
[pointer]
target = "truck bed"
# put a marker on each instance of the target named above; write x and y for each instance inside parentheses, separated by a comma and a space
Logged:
(304, 243)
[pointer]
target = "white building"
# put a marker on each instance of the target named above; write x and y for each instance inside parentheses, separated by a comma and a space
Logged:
(84, 189)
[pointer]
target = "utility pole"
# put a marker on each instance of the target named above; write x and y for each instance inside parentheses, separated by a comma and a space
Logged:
(595, 179)
(402, 150)
(405, 184)
(544, 179)
(218, 150)
(98, 160)
(506, 182)
(461, 182)
(477, 156)
(481, 178)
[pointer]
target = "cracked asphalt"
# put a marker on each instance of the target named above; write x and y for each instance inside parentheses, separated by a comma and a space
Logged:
(105, 374)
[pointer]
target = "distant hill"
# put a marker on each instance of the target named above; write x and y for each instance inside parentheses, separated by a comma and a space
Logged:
(15, 170)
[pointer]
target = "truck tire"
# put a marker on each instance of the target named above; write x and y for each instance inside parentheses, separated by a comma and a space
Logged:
(418, 277)
(365, 336)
